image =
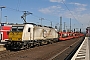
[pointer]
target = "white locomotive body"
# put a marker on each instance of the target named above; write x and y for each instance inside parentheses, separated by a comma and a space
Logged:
(27, 35)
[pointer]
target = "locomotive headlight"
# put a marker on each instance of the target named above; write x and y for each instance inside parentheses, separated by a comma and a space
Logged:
(9, 42)
(10, 38)
(19, 39)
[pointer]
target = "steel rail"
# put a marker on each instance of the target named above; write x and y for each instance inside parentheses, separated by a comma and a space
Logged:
(74, 51)
(62, 51)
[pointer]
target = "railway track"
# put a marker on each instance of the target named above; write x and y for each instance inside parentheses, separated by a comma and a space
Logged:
(74, 51)
(46, 52)
(70, 55)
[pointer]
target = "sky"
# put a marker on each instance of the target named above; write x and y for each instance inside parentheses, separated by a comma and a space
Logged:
(50, 10)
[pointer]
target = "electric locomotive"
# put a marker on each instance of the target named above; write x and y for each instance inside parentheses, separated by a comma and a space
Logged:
(23, 36)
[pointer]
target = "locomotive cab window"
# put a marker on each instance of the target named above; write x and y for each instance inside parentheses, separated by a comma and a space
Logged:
(28, 29)
(20, 28)
(17, 28)
(14, 28)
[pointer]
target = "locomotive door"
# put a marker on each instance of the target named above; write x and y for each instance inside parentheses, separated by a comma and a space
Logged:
(1, 35)
(29, 33)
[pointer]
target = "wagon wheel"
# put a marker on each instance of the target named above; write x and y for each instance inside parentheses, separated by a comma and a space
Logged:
(27, 46)
(41, 43)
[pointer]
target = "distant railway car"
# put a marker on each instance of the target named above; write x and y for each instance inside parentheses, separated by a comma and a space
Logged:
(29, 34)
(4, 32)
(75, 35)
(70, 35)
(88, 31)
(63, 36)
(81, 34)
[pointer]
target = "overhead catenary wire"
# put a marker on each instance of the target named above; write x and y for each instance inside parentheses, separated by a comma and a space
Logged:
(18, 4)
(14, 9)
(17, 10)
(70, 11)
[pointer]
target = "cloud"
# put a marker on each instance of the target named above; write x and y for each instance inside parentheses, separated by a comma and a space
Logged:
(59, 10)
(78, 12)
(85, 18)
(51, 9)
(56, 1)
(45, 10)
(80, 9)
(78, 4)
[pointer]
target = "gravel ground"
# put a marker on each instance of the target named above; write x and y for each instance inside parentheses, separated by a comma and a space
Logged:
(46, 52)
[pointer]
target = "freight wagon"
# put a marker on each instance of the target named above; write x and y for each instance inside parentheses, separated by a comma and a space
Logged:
(69, 35)
(23, 36)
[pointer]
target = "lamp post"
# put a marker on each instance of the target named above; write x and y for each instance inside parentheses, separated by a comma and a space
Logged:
(41, 20)
(70, 24)
(50, 22)
(60, 28)
(57, 26)
(64, 25)
(6, 19)
(1, 19)
(1, 12)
